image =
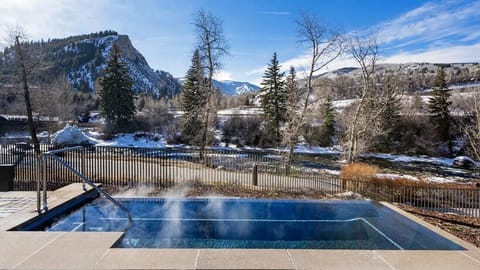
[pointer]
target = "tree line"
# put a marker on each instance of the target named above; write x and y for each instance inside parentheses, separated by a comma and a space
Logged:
(296, 106)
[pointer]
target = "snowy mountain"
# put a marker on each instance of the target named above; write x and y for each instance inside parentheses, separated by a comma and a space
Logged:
(456, 72)
(233, 88)
(82, 60)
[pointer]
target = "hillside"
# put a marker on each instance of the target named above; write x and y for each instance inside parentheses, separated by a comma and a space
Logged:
(82, 59)
(233, 88)
(422, 73)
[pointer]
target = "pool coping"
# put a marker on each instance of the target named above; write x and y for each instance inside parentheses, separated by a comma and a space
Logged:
(60, 250)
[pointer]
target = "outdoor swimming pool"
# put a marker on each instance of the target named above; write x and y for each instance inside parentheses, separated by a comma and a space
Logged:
(250, 223)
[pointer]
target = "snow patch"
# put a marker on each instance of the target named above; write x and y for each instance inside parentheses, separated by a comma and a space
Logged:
(397, 176)
(71, 135)
(136, 140)
(409, 159)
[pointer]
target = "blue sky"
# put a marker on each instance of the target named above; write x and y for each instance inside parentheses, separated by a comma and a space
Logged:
(408, 30)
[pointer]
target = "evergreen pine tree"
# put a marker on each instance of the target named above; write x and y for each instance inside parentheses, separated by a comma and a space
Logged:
(389, 117)
(291, 87)
(274, 99)
(327, 129)
(116, 96)
(439, 112)
(193, 101)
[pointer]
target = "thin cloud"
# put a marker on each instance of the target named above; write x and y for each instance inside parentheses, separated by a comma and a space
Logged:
(451, 20)
(223, 75)
(435, 32)
(452, 54)
(52, 18)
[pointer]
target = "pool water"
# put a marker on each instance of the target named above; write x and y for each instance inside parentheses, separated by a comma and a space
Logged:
(241, 223)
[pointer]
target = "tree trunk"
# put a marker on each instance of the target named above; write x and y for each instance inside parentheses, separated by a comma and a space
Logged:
(26, 93)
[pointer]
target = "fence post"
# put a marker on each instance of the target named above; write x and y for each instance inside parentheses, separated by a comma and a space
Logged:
(255, 175)
(82, 166)
(44, 166)
(477, 214)
(39, 206)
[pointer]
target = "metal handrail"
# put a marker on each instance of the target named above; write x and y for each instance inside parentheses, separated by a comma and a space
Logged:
(51, 154)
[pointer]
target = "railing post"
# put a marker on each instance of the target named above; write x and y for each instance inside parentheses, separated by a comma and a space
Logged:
(477, 214)
(255, 175)
(42, 174)
(82, 166)
(44, 166)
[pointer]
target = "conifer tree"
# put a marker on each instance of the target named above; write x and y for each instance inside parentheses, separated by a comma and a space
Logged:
(327, 129)
(274, 99)
(292, 89)
(438, 107)
(389, 117)
(293, 92)
(194, 101)
(116, 96)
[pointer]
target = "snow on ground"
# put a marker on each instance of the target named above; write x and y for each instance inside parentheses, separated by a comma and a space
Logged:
(437, 179)
(305, 149)
(241, 111)
(135, 140)
(397, 176)
(340, 105)
(409, 159)
(457, 86)
(71, 134)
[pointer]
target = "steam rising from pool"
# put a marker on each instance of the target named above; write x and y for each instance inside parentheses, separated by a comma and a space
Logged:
(172, 214)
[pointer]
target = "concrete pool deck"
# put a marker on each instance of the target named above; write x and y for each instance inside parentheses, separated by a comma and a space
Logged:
(92, 250)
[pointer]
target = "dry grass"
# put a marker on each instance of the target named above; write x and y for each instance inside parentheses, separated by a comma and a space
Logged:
(200, 189)
(363, 172)
(359, 171)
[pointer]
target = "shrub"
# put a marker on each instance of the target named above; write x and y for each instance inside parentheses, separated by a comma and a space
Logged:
(246, 131)
(359, 171)
(363, 172)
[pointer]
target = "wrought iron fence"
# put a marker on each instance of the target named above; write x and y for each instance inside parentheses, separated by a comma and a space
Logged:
(166, 167)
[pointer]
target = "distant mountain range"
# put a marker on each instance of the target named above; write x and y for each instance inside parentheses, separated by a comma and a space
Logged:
(82, 60)
(456, 72)
(233, 88)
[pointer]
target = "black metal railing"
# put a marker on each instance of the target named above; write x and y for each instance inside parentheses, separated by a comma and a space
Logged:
(166, 167)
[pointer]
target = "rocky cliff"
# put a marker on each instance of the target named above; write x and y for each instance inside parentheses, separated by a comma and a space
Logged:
(82, 60)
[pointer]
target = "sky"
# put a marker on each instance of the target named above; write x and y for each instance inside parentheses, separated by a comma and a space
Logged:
(162, 30)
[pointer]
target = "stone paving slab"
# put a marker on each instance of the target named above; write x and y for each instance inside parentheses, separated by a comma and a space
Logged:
(16, 247)
(407, 260)
(13, 205)
(77, 250)
(244, 259)
(473, 254)
(149, 259)
(22, 205)
(338, 260)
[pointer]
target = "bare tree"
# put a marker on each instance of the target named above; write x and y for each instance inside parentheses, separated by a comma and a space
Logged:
(18, 38)
(212, 47)
(375, 97)
(472, 129)
(55, 99)
(325, 45)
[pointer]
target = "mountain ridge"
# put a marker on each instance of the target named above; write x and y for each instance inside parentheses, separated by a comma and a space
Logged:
(235, 88)
(82, 60)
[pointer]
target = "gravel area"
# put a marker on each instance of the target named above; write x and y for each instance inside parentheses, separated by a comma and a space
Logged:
(466, 228)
